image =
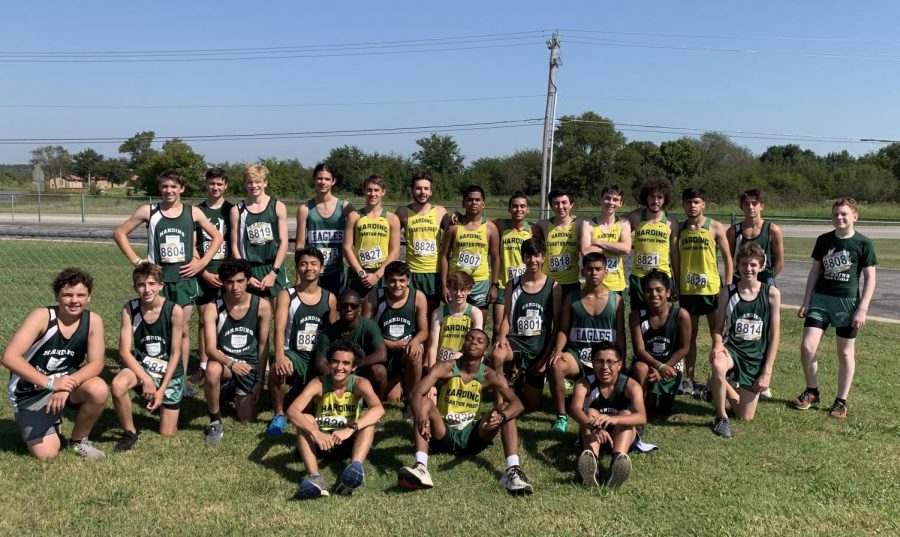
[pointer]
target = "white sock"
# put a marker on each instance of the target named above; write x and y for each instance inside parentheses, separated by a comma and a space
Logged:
(512, 460)
(422, 457)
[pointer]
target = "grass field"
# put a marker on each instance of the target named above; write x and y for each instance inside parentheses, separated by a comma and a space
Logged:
(786, 473)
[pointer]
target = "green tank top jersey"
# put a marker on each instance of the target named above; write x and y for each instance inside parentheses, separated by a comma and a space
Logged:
(258, 237)
(152, 341)
(511, 264)
(305, 323)
(52, 355)
(585, 330)
(615, 403)
(237, 338)
(660, 343)
(335, 411)
(763, 241)
(699, 271)
(747, 325)
(170, 241)
(651, 246)
(422, 240)
(221, 219)
(459, 402)
(327, 235)
(531, 316)
(396, 323)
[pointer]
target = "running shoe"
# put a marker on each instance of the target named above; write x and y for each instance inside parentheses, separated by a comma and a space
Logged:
(85, 448)
(838, 411)
(561, 424)
(587, 469)
(415, 477)
(277, 425)
(805, 400)
(619, 470)
(722, 427)
(311, 487)
(214, 433)
(352, 477)
(126, 442)
(686, 387)
(515, 481)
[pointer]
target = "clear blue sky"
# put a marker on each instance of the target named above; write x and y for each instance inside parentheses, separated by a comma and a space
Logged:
(832, 70)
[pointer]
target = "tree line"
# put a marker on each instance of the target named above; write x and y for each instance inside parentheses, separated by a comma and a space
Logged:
(588, 153)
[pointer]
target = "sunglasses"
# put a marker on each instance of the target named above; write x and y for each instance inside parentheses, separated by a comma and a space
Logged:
(605, 363)
(349, 305)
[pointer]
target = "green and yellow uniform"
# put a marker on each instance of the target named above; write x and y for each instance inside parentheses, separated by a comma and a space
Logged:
(651, 250)
(746, 333)
(586, 330)
(258, 242)
(530, 320)
(335, 411)
(459, 404)
(151, 345)
(327, 236)
(511, 264)
(469, 253)
(218, 217)
(170, 244)
(763, 240)
(305, 323)
(238, 340)
(561, 262)
(698, 270)
(660, 343)
(372, 239)
(615, 279)
(453, 331)
(423, 236)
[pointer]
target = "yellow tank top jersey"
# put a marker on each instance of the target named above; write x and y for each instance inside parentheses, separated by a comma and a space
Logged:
(422, 241)
(511, 263)
(615, 280)
(453, 331)
(561, 261)
(336, 412)
(470, 254)
(699, 272)
(651, 246)
(372, 239)
(459, 402)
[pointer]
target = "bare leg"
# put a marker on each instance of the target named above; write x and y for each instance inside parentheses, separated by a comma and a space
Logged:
(168, 421)
(121, 385)
(846, 351)
(808, 347)
(92, 396)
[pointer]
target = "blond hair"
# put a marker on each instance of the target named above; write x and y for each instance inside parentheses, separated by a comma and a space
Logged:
(255, 171)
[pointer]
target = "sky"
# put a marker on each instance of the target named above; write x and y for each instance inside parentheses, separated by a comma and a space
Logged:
(820, 74)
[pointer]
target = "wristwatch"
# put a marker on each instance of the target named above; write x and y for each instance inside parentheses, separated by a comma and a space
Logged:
(354, 427)
(362, 273)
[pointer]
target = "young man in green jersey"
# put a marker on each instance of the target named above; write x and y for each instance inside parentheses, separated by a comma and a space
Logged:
(320, 224)
(44, 359)
(339, 427)
(560, 234)
(400, 311)
(832, 297)
(301, 313)
(527, 332)
(423, 222)
(151, 329)
(587, 317)
(170, 244)
(745, 340)
(701, 238)
(513, 232)
(237, 341)
(259, 233)
(452, 424)
(608, 406)
(371, 239)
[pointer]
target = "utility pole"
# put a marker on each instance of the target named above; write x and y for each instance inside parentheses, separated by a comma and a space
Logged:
(549, 120)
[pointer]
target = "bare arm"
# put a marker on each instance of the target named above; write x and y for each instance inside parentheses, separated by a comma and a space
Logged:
(234, 217)
(196, 265)
(815, 270)
(494, 252)
(14, 354)
(302, 214)
(621, 335)
(511, 405)
(373, 409)
(434, 340)
(732, 244)
(576, 405)
(394, 243)
(96, 349)
(349, 241)
(263, 320)
(210, 337)
(774, 339)
(859, 317)
(722, 242)
(281, 216)
(120, 236)
(295, 411)
(477, 319)
(776, 241)
(283, 366)
(446, 241)
(421, 335)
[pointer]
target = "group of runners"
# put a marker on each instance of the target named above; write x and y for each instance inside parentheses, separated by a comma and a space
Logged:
(359, 326)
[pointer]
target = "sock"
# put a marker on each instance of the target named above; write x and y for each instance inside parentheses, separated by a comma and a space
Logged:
(841, 401)
(215, 417)
(562, 416)
(422, 457)
(512, 460)
(317, 474)
(203, 366)
(814, 391)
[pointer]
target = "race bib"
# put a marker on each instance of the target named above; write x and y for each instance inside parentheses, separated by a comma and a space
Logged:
(560, 263)
(530, 324)
(515, 272)
(425, 247)
(468, 260)
(585, 356)
(330, 255)
(331, 421)
(612, 263)
(459, 420)
(696, 280)
(837, 262)
(238, 341)
(371, 257)
(748, 329)
(260, 233)
(306, 338)
(445, 354)
(222, 253)
(396, 331)
(647, 261)
(171, 251)
(156, 367)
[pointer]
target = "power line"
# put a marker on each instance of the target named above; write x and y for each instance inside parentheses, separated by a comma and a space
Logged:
(740, 37)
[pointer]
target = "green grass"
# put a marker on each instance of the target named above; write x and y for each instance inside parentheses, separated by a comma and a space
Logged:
(786, 473)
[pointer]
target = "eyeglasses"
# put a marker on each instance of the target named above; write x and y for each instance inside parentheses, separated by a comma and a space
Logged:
(346, 305)
(605, 363)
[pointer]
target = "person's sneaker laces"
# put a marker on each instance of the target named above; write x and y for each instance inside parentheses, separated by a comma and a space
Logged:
(277, 425)
(352, 477)
(85, 448)
(312, 487)
(415, 477)
(214, 433)
(722, 427)
(126, 442)
(805, 400)
(686, 387)
(706, 394)
(838, 411)
(561, 424)
(515, 481)
(587, 469)
(619, 470)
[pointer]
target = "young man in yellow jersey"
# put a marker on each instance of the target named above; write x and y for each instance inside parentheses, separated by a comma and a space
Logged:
(450, 323)
(423, 222)
(473, 246)
(513, 232)
(371, 239)
(452, 425)
(340, 427)
(655, 244)
(560, 234)
(320, 224)
(609, 235)
(699, 280)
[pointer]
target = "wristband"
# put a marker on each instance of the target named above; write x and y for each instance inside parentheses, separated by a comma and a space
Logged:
(137, 261)
(50, 383)
(231, 363)
(503, 415)
(276, 269)
(661, 366)
(361, 273)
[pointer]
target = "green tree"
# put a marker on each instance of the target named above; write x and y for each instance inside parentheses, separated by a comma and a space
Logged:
(87, 163)
(138, 148)
(115, 170)
(287, 178)
(440, 155)
(681, 159)
(54, 159)
(350, 165)
(177, 155)
(584, 154)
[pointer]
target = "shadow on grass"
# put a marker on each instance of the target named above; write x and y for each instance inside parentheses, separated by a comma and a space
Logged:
(10, 437)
